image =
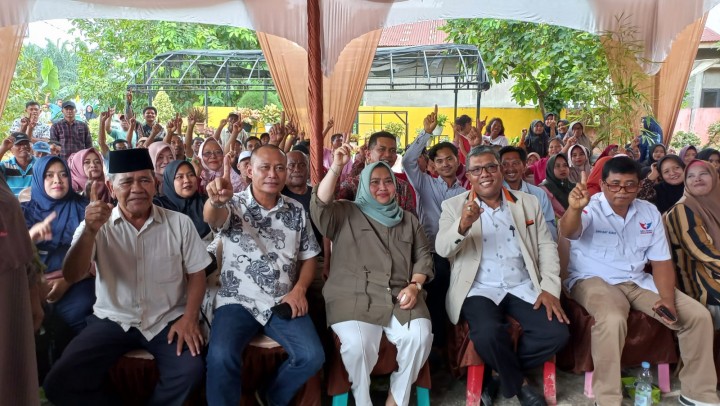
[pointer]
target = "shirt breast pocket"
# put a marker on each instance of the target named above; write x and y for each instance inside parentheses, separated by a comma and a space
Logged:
(604, 245)
(167, 269)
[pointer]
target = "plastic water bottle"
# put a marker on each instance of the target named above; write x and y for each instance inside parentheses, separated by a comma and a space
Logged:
(643, 386)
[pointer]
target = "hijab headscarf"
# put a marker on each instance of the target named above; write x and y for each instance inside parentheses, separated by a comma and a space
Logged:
(208, 175)
(595, 176)
(575, 171)
(536, 143)
(652, 160)
(191, 206)
(559, 188)
(583, 139)
(684, 151)
(606, 151)
(389, 214)
(79, 179)
(155, 149)
(70, 211)
(666, 195)
(706, 207)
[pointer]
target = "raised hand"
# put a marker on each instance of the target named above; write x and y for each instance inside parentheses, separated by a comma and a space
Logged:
(42, 231)
(157, 128)
(8, 143)
(474, 137)
(341, 156)
(220, 190)
(302, 135)
(236, 127)
(330, 125)
(103, 118)
(579, 197)
(191, 118)
(482, 124)
(223, 123)
(430, 121)
(470, 213)
(170, 126)
(97, 212)
(552, 123)
(129, 96)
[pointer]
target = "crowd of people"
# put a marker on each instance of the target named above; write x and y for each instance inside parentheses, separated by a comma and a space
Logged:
(190, 246)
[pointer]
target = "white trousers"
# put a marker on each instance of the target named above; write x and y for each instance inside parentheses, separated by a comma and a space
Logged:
(360, 343)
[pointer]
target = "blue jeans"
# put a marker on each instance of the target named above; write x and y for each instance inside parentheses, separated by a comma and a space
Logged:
(233, 328)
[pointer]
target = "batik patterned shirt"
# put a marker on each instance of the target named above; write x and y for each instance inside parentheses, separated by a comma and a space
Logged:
(261, 251)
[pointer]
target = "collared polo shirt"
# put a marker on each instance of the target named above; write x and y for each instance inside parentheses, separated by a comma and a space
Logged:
(17, 177)
(616, 249)
(261, 250)
(140, 279)
(430, 192)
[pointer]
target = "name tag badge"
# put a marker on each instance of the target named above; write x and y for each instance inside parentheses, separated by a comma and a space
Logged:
(605, 238)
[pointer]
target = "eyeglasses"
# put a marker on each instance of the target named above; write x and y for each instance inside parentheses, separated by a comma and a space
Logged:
(629, 188)
(212, 154)
(490, 168)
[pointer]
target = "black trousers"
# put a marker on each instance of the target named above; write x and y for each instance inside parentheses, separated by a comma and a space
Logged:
(436, 293)
(78, 377)
(540, 340)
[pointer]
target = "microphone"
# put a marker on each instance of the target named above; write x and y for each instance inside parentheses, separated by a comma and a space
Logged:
(512, 228)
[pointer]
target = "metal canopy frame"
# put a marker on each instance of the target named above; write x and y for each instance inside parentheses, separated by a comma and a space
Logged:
(423, 68)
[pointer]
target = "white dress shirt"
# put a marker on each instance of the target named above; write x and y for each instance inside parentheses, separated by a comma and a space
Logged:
(616, 249)
(502, 267)
(140, 279)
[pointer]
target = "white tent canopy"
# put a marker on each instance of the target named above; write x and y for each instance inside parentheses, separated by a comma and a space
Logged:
(657, 21)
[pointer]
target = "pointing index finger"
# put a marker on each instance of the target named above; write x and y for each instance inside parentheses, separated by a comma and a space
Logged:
(583, 178)
(49, 219)
(226, 168)
(93, 192)
(436, 110)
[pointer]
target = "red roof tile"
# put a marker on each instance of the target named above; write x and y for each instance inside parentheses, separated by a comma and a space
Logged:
(421, 33)
(709, 36)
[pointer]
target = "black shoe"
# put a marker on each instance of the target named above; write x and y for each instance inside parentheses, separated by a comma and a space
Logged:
(529, 397)
(490, 391)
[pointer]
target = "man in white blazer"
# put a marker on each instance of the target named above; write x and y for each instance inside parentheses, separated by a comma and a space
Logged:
(504, 263)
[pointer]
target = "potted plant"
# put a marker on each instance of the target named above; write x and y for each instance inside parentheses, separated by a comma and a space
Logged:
(249, 118)
(200, 117)
(270, 114)
(441, 120)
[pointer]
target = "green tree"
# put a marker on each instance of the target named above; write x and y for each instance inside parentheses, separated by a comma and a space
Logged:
(681, 139)
(112, 52)
(164, 106)
(40, 70)
(553, 67)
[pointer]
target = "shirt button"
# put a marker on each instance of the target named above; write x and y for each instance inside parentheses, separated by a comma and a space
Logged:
(389, 290)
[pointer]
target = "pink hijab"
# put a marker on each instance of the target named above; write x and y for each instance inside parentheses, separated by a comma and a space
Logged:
(155, 149)
(79, 179)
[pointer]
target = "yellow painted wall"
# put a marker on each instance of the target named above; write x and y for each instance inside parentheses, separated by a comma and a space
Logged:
(515, 119)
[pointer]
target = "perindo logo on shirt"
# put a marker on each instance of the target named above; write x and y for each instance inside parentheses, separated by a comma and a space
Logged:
(646, 228)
